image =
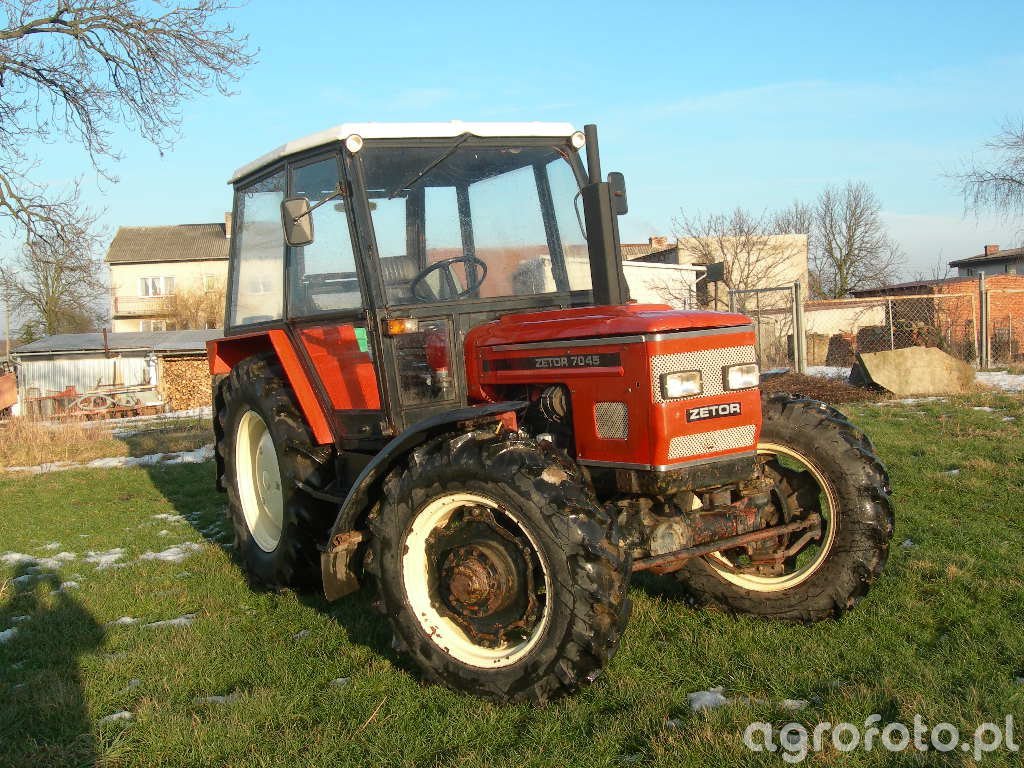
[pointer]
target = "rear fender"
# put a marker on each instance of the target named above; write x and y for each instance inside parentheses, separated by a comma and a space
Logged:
(337, 563)
(225, 354)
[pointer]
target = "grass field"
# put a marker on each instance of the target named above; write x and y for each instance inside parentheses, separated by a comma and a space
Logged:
(310, 683)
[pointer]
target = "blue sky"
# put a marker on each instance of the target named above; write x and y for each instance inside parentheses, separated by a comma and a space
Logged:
(703, 106)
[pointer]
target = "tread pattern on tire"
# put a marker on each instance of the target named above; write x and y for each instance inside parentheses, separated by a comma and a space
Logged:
(589, 568)
(259, 383)
(847, 457)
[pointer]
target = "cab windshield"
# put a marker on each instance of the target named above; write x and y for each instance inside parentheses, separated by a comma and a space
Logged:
(463, 220)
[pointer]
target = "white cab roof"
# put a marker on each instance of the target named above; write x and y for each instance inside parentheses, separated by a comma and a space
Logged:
(405, 131)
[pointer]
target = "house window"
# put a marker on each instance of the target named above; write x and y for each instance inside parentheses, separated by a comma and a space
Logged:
(156, 286)
(148, 326)
(209, 283)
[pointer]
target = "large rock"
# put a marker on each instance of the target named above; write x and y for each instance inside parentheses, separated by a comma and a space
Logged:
(914, 371)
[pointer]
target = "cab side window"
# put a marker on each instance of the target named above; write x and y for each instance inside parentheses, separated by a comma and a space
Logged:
(257, 285)
(322, 275)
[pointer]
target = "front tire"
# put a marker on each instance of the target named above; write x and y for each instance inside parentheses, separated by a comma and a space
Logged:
(499, 572)
(823, 465)
(270, 466)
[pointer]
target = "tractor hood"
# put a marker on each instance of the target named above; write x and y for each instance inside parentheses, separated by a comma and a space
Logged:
(598, 322)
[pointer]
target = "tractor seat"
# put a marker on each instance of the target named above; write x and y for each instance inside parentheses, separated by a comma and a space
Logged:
(398, 272)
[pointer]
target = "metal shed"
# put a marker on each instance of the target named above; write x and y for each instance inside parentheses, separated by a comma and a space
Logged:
(90, 362)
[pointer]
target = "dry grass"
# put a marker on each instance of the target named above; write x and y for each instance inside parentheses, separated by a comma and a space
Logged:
(25, 442)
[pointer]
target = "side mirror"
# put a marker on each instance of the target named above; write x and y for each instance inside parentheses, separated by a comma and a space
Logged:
(296, 221)
(617, 190)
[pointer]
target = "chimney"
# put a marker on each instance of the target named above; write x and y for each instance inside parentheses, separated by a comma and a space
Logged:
(227, 225)
(658, 243)
(991, 250)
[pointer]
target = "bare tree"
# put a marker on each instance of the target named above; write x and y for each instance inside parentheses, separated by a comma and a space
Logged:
(55, 284)
(196, 308)
(797, 219)
(998, 183)
(74, 70)
(754, 257)
(850, 247)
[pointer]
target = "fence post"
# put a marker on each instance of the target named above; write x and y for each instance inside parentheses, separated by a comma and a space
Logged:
(983, 350)
(799, 331)
(892, 335)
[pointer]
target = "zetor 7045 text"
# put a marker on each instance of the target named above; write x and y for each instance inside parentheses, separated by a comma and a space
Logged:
(433, 381)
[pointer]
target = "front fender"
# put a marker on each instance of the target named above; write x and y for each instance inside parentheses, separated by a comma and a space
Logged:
(337, 562)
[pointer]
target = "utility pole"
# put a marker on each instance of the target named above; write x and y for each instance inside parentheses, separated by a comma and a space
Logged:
(7, 329)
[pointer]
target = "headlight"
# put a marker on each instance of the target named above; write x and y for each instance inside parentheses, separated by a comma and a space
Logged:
(682, 384)
(742, 376)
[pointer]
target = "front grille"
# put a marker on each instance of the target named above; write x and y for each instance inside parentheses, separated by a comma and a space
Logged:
(612, 420)
(684, 446)
(709, 362)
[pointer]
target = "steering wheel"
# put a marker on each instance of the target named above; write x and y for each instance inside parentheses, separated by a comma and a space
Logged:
(474, 277)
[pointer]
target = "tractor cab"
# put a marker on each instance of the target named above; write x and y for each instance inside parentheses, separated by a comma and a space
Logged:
(380, 247)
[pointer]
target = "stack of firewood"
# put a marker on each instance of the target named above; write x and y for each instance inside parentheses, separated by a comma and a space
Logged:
(184, 382)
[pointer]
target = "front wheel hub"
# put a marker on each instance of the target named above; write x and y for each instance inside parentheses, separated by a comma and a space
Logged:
(483, 579)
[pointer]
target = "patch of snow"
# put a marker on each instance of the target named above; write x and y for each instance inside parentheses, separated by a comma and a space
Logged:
(197, 456)
(122, 715)
(673, 724)
(52, 545)
(339, 682)
(173, 554)
(169, 517)
(108, 559)
(164, 533)
(123, 621)
(15, 558)
(231, 697)
(1019, 680)
(828, 371)
(133, 683)
(19, 619)
(300, 634)
(7, 634)
(985, 408)
(66, 585)
(1008, 382)
(793, 705)
(952, 472)
(907, 544)
(181, 621)
(700, 700)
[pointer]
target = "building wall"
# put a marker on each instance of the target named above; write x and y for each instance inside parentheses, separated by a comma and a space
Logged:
(129, 308)
(1012, 266)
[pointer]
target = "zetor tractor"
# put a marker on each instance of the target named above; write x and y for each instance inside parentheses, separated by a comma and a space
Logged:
(433, 381)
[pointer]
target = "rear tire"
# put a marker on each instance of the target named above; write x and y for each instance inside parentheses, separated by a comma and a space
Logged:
(266, 451)
(856, 545)
(441, 511)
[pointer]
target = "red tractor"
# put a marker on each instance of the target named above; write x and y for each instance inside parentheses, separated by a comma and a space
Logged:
(433, 380)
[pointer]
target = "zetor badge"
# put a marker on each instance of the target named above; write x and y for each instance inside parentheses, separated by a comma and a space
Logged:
(433, 384)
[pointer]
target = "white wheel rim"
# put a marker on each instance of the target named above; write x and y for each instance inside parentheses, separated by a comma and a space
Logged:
(259, 481)
(443, 631)
(789, 580)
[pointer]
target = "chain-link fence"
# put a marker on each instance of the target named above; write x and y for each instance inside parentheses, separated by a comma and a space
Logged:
(837, 330)
(792, 333)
